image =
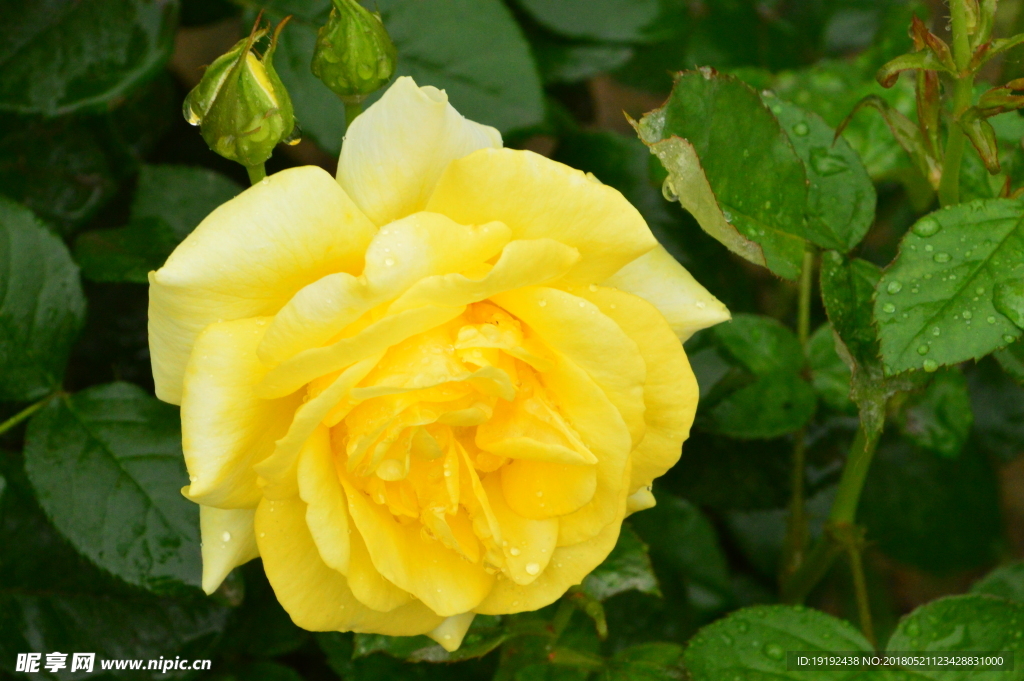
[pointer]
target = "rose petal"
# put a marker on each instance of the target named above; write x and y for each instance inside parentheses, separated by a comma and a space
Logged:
(228, 541)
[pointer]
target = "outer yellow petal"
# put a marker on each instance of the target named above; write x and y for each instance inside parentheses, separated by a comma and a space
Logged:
(527, 544)
(660, 280)
(670, 392)
(576, 329)
(395, 151)
(248, 258)
(451, 632)
(327, 509)
(540, 198)
(225, 428)
(317, 597)
(568, 566)
(443, 580)
(228, 541)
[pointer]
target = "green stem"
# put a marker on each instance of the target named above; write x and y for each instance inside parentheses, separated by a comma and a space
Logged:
(796, 530)
(956, 143)
(24, 414)
(844, 510)
(860, 588)
(855, 472)
(256, 173)
(352, 109)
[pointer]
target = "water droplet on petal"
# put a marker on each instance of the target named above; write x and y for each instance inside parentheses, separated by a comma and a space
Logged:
(226, 536)
(389, 262)
(532, 568)
(514, 551)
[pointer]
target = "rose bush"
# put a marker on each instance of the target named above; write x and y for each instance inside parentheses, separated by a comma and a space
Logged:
(431, 388)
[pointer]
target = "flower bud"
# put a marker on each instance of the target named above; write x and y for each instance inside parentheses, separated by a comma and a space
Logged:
(241, 106)
(354, 55)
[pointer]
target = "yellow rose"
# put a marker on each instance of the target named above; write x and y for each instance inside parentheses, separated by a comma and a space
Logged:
(431, 388)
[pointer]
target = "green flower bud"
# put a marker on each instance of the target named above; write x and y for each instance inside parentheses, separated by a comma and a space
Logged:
(241, 106)
(354, 55)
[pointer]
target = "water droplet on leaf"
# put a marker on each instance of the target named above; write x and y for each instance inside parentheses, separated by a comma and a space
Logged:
(801, 129)
(926, 227)
(894, 287)
(930, 365)
(941, 257)
(889, 307)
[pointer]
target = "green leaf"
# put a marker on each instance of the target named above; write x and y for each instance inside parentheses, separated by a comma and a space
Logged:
(773, 405)
(936, 514)
(646, 662)
(938, 303)
(1006, 582)
(961, 624)
(42, 307)
(622, 21)
(52, 599)
(125, 254)
(840, 197)
(267, 671)
(473, 49)
(627, 567)
(685, 550)
(64, 56)
(761, 344)
(180, 195)
(752, 643)
(731, 165)
(940, 418)
(570, 62)
(339, 649)
(829, 375)
(107, 466)
(847, 287)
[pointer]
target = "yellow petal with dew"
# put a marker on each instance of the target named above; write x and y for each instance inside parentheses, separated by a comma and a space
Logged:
(395, 151)
(660, 280)
(316, 597)
(248, 258)
(542, 489)
(225, 428)
(528, 544)
(440, 578)
(229, 540)
(539, 198)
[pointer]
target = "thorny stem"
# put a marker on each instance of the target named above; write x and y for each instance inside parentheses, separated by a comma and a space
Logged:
(256, 173)
(796, 530)
(24, 414)
(949, 186)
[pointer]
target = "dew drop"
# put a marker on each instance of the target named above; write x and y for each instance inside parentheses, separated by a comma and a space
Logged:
(991, 319)
(941, 257)
(929, 248)
(514, 551)
(542, 303)
(1008, 338)
(774, 651)
(913, 628)
(226, 536)
(532, 568)
(826, 163)
(389, 262)
(592, 288)
(263, 534)
(922, 349)
(894, 287)
(582, 304)
(801, 129)
(668, 190)
(936, 331)
(980, 290)
(727, 215)
(968, 314)
(930, 365)
(926, 227)
(889, 307)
